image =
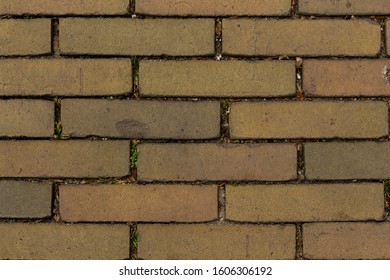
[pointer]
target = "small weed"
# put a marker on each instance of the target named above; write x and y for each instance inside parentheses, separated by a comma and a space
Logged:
(134, 155)
(134, 240)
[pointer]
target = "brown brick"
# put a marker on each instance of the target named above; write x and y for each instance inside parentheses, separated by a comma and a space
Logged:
(53, 241)
(344, 7)
(64, 158)
(150, 203)
(31, 118)
(305, 203)
(325, 119)
(301, 37)
(217, 78)
(25, 36)
(141, 119)
(213, 7)
(387, 72)
(326, 78)
(63, 7)
(214, 242)
(349, 160)
(20, 199)
(122, 36)
(346, 241)
(192, 162)
(70, 77)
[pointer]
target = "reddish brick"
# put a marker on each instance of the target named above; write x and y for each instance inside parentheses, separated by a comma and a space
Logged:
(64, 158)
(301, 37)
(62, 242)
(344, 7)
(219, 242)
(217, 78)
(192, 162)
(139, 203)
(141, 119)
(346, 241)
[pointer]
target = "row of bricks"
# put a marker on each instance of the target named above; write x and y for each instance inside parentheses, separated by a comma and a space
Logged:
(195, 162)
(195, 203)
(159, 241)
(194, 7)
(193, 37)
(141, 119)
(195, 78)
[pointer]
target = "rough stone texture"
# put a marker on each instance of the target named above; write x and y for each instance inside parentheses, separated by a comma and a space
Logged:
(122, 36)
(62, 242)
(25, 36)
(344, 7)
(325, 119)
(387, 40)
(214, 242)
(217, 78)
(301, 37)
(305, 203)
(213, 7)
(191, 162)
(64, 158)
(150, 203)
(327, 78)
(32, 118)
(20, 199)
(346, 241)
(63, 7)
(70, 77)
(349, 160)
(141, 119)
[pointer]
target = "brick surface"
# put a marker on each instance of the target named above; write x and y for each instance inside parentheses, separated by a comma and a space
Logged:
(20, 199)
(217, 78)
(309, 203)
(155, 203)
(25, 36)
(346, 241)
(308, 119)
(52, 242)
(326, 78)
(344, 7)
(301, 37)
(387, 43)
(213, 7)
(32, 118)
(121, 36)
(191, 162)
(69, 77)
(63, 7)
(349, 160)
(141, 119)
(210, 242)
(64, 158)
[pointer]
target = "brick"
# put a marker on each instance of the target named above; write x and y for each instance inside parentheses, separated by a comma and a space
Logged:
(68, 77)
(301, 37)
(325, 119)
(213, 7)
(122, 36)
(348, 160)
(327, 78)
(215, 242)
(148, 203)
(305, 203)
(141, 119)
(19, 199)
(344, 7)
(217, 78)
(25, 36)
(192, 162)
(63, 242)
(30, 118)
(346, 241)
(387, 44)
(64, 158)
(64, 7)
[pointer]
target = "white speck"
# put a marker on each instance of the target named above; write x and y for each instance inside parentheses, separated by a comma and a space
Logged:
(218, 57)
